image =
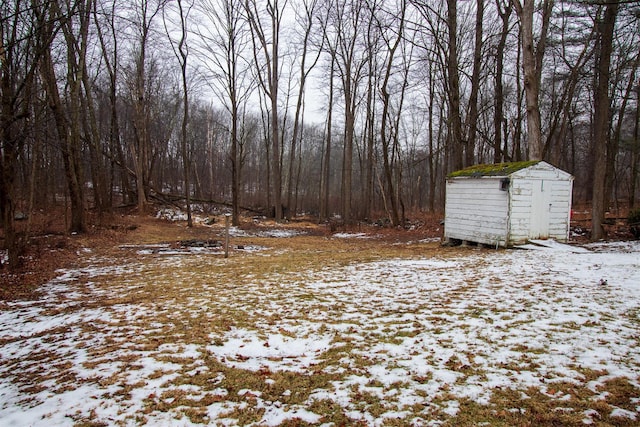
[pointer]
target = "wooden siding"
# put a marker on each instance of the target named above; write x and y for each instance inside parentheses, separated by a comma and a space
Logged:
(544, 171)
(476, 210)
(522, 209)
(537, 205)
(560, 214)
(519, 210)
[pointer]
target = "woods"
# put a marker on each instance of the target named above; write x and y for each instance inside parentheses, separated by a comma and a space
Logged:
(356, 109)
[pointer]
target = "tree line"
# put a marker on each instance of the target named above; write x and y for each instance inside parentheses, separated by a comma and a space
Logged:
(333, 107)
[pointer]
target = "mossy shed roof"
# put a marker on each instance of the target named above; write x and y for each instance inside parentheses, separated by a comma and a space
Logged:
(497, 169)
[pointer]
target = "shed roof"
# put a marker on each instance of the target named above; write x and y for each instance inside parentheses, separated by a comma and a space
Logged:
(497, 169)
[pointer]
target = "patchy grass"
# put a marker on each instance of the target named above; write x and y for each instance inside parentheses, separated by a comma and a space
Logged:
(314, 329)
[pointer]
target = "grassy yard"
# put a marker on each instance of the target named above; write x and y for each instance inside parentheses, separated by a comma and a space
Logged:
(313, 328)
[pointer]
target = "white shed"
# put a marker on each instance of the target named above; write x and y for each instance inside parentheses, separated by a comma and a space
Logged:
(507, 204)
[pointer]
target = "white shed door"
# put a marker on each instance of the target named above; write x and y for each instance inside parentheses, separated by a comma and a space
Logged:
(540, 208)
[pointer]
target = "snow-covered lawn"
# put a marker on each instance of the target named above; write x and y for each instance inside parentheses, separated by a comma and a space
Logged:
(460, 336)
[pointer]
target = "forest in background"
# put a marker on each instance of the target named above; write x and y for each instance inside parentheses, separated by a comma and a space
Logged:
(329, 107)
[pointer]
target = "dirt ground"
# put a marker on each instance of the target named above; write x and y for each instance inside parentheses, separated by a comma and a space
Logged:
(146, 321)
(51, 248)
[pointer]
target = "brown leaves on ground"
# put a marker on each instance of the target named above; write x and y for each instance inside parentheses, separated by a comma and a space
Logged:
(51, 248)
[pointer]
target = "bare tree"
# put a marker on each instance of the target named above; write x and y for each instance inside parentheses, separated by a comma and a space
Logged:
(370, 131)
(105, 22)
(635, 152)
(559, 117)
(532, 54)
(453, 80)
(325, 177)
(181, 52)
(145, 11)
(606, 27)
(386, 135)
(305, 17)
(24, 40)
(343, 41)
(625, 76)
(472, 127)
(68, 122)
(225, 34)
(499, 153)
(433, 38)
(269, 48)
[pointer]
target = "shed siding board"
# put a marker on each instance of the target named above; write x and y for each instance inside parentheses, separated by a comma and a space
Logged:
(520, 210)
(477, 210)
(542, 171)
(560, 205)
(561, 192)
(478, 219)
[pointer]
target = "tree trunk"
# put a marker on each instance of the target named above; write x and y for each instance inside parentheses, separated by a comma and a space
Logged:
(614, 142)
(325, 180)
(140, 146)
(455, 122)
(386, 135)
(635, 153)
(517, 154)
(470, 145)
(299, 113)
(270, 50)
(182, 59)
(432, 156)
(347, 159)
(10, 143)
(68, 128)
(606, 29)
(370, 138)
(112, 67)
(532, 56)
(531, 87)
(275, 123)
(498, 119)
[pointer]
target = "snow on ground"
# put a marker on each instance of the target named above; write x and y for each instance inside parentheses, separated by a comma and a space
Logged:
(351, 235)
(426, 331)
(176, 215)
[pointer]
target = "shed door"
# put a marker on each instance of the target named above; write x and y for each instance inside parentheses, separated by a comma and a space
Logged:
(540, 208)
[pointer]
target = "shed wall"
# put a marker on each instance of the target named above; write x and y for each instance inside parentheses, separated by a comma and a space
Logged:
(476, 210)
(522, 209)
(557, 186)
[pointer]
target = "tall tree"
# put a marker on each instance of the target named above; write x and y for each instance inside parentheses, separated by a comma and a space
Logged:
(305, 16)
(453, 80)
(325, 175)
(499, 153)
(181, 52)
(23, 42)
(68, 120)
(472, 127)
(269, 49)
(388, 135)
(226, 38)
(630, 64)
(635, 152)
(370, 131)
(145, 11)
(105, 22)
(579, 42)
(606, 26)
(342, 33)
(532, 56)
